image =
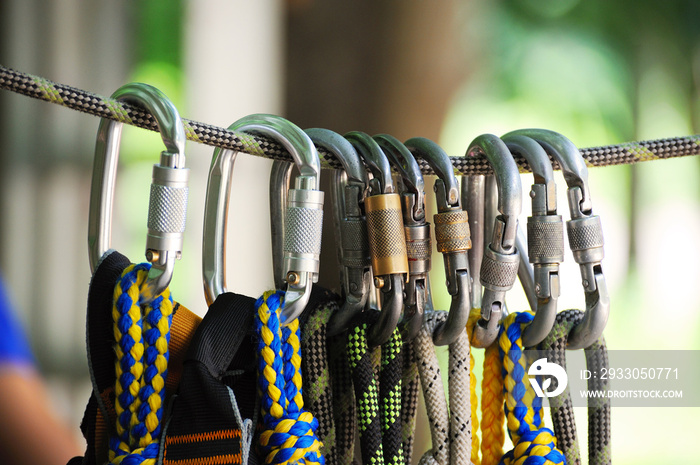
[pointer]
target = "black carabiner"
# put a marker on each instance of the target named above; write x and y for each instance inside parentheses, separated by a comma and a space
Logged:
(416, 229)
(349, 192)
(386, 237)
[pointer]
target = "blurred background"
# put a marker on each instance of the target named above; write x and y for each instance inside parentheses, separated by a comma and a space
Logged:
(598, 72)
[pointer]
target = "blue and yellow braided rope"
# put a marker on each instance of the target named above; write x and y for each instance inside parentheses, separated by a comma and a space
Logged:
(533, 443)
(142, 334)
(289, 434)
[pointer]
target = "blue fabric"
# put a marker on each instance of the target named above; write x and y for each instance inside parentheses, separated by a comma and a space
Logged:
(14, 346)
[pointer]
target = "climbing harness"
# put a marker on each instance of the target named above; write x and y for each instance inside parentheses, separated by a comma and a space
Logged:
(599, 432)
(500, 261)
(168, 199)
(545, 238)
(386, 236)
(452, 237)
(585, 235)
(416, 231)
(288, 434)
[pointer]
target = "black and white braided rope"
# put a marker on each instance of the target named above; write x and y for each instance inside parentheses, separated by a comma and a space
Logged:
(87, 102)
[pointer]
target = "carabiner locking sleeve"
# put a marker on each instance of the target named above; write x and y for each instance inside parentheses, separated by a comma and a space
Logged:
(545, 237)
(349, 192)
(168, 198)
(452, 236)
(303, 218)
(386, 237)
(499, 266)
(584, 232)
(416, 229)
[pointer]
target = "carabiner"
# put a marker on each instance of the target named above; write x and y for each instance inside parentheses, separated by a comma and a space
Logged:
(168, 199)
(585, 235)
(545, 237)
(416, 230)
(349, 192)
(452, 236)
(499, 266)
(385, 232)
(303, 218)
(473, 193)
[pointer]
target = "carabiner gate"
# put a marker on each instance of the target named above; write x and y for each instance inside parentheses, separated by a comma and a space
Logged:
(585, 235)
(303, 217)
(168, 198)
(416, 229)
(452, 235)
(386, 237)
(545, 238)
(349, 192)
(499, 266)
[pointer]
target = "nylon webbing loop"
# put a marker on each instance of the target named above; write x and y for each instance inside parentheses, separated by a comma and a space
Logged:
(203, 133)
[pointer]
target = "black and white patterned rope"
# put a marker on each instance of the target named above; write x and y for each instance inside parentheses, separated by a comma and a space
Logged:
(215, 136)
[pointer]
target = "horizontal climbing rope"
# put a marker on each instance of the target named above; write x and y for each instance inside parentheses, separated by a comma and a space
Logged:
(215, 136)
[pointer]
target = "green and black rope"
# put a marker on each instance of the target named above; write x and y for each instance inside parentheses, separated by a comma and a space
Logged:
(390, 399)
(366, 395)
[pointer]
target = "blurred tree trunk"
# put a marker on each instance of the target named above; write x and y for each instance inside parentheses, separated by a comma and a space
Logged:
(375, 66)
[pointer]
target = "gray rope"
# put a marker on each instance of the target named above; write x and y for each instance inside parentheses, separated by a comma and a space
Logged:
(451, 430)
(215, 136)
(434, 395)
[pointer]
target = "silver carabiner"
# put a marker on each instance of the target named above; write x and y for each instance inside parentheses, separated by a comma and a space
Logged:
(386, 237)
(416, 229)
(473, 194)
(168, 198)
(349, 192)
(303, 216)
(545, 237)
(499, 266)
(585, 235)
(215, 223)
(452, 236)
